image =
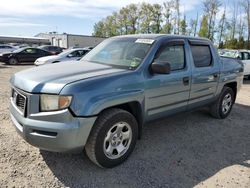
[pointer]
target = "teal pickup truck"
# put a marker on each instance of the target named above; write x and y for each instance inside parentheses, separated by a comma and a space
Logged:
(100, 103)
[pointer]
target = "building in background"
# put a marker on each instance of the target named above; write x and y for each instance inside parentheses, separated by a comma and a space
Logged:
(70, 40)
(19, 40)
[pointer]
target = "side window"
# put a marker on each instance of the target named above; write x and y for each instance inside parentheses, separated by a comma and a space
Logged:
(202, 55)
(30, 51)
(174, 55)
(75, 53)
(246, 56)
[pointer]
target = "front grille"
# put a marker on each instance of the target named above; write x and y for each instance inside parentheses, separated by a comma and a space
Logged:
(19, 100)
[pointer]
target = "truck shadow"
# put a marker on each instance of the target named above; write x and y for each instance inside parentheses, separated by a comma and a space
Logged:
(180, 151)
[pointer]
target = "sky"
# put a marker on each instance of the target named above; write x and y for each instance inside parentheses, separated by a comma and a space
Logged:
(30, 17)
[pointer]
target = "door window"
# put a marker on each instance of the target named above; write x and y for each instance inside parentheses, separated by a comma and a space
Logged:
(174, 55)
(245, 56)
(30, 51)
(201, 55)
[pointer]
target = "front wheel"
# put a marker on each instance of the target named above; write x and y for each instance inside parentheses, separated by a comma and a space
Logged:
(13, 61)
(112, 138)
(223, 106)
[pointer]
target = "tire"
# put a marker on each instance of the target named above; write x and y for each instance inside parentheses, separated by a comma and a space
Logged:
(105, 138)
(223, 106)
(13, 61)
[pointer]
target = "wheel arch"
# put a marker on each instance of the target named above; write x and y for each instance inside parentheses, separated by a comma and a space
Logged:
(136, 109)
(233, 86)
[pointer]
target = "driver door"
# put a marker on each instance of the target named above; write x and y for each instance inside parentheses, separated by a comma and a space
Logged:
(169, 93)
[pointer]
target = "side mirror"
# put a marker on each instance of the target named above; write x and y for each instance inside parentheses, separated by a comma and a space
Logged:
(160, 67)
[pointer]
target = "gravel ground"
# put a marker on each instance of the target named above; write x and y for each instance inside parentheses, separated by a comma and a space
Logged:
(187, 150)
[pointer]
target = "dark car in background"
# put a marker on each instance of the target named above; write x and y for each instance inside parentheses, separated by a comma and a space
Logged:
(6, 48)
(23, 55)
(53, 49)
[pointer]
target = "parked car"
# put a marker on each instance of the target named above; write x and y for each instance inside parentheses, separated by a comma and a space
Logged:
(101, 103)
(6, 48)
(23, 55)
(53, 49)
(243, 55)
(74, 54)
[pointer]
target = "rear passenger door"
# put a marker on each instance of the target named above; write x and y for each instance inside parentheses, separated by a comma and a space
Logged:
(205, 73)
(168, 93)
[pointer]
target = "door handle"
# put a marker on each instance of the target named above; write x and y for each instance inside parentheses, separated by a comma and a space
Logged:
(185, 80)
(215, 75)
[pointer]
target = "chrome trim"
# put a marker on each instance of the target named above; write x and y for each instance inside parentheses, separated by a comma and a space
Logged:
(18, 125)
(14, 102)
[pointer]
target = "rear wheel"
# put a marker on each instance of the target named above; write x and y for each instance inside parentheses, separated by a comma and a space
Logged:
(13, 61)
(223, 106)
(112, 138)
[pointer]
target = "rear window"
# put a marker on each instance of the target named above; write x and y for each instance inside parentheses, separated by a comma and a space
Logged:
(201, 55)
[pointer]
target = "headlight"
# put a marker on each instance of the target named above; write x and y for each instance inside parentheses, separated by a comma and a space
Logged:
(54, 102)
(1, 54)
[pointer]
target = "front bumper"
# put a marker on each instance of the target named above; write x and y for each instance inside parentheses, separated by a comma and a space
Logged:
(53, 131)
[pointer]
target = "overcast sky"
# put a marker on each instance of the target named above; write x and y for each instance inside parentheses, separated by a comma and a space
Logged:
(29, 17)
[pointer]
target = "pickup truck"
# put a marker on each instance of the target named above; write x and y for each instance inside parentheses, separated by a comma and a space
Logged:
(100, 104)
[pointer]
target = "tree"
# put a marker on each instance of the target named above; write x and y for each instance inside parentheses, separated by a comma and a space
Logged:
(176, 17)
(183, 26)
(246, 6)
(133, 16)
(167, 14)
(193, 26)
(204, 27)
(124, 22)
(234, 20)
(222, 25)
(99, 29)
(156, 18)
(230, 31)
(146, 17)
(211, 8)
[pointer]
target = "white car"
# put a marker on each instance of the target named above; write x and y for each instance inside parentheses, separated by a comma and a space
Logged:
(243, 55)
(68, 55)
(6, 48)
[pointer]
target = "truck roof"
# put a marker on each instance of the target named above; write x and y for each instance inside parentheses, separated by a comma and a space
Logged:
(159, 36)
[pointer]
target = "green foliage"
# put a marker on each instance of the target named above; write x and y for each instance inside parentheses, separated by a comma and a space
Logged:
(183, 27)
(166, 18)
(204, 27)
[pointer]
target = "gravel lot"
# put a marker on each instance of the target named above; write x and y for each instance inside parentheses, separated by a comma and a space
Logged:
(187, 150)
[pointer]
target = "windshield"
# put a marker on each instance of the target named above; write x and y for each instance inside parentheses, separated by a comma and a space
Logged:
(121, 52)
(231, 54)
(65, 53)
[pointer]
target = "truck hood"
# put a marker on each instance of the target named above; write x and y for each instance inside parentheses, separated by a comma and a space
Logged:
(53, 77)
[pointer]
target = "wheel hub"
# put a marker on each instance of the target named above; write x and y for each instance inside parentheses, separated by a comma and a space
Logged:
(117, 140)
